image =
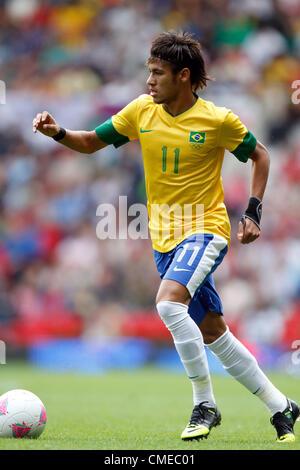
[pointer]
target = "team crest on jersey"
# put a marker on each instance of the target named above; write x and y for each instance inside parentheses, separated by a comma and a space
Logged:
(197, 139)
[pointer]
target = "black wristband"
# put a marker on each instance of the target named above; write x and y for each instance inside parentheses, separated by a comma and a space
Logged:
(253, 211)
(60, 135)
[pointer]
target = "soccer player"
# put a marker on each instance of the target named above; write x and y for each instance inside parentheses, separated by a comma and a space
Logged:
(183, 139)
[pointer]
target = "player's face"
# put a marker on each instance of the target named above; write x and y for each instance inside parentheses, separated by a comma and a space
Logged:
(162, 82)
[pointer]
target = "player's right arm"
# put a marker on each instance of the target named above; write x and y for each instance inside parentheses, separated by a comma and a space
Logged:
(81, 141)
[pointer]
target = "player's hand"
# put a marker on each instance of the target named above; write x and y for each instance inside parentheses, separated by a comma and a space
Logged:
(46, 124)
(248, 233)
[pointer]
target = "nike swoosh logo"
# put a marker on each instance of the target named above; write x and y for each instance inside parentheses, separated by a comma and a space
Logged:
(180, 269)
(142, 131)
(196, 428)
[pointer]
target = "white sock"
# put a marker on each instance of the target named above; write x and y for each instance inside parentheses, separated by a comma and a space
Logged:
(242, 365)
(202, 390)
(189, 345)
(272, 398)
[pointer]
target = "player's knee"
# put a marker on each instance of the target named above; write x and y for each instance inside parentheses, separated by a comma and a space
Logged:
(167, 311)
(171, 291)
(166, 294)
(171, 313)
(163, 310)
(209, 336)
(212, 327)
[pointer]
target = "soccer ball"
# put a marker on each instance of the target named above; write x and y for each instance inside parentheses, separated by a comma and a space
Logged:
(22, 414)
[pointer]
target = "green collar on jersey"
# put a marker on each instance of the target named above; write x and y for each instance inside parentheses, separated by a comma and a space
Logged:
(196, 96)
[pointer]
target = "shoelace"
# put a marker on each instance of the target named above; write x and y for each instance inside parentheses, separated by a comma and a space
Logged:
(198, 414)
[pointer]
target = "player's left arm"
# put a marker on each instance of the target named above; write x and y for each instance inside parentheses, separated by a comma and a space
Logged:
(249, 226)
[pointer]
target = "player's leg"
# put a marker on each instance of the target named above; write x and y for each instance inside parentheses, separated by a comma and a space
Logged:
(172, 306)
(189, 265)
(242, 365)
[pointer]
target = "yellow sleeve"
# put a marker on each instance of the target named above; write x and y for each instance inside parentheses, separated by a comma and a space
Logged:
(236, 138)
(125, 121)
(121, 127)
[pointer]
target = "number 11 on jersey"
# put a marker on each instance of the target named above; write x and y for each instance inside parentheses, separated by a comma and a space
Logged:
(164, 159)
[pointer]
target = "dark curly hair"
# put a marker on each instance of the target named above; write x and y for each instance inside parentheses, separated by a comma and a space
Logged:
(180, 50)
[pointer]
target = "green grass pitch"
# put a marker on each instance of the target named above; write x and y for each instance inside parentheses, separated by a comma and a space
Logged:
(141, 410)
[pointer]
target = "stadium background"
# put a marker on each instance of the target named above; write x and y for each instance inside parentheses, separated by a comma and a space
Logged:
(83, 61)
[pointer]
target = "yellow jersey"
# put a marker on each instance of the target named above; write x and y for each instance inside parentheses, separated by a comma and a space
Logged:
(182, 158)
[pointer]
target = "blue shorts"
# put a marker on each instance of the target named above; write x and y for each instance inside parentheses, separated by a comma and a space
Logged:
(192, 263)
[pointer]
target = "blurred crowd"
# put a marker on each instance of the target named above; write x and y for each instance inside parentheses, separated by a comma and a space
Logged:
(83, 61)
